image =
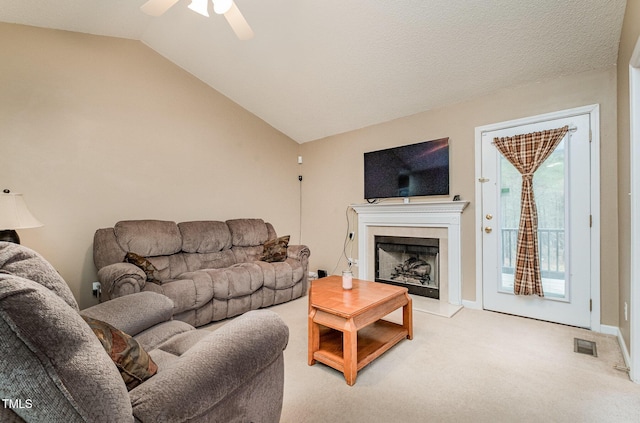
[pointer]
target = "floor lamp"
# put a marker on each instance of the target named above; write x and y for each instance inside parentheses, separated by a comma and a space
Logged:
(14, 214)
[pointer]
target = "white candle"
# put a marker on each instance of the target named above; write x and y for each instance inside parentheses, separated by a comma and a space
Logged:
(347, 279)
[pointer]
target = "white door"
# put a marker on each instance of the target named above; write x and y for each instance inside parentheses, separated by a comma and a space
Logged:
(562, 193)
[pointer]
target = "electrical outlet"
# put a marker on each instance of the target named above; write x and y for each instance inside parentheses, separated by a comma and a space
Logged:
(352, 261)
(352, 235)
(96, 289)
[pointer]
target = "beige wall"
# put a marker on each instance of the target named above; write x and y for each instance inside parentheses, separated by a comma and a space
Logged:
(333, 168)
(95, 129)
(628, 39)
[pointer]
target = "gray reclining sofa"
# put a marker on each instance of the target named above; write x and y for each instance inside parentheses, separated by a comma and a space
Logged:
(211, 270)
(53, 367)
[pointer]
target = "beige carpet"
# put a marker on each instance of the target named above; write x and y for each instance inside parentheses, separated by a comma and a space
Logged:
(476, 366)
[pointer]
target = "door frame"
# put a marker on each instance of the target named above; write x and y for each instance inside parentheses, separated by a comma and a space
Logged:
(634, 141)
(594, 112)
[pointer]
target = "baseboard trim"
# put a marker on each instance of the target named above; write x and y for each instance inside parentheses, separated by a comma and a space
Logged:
(471, 304)
(615, 331)
(610, 330)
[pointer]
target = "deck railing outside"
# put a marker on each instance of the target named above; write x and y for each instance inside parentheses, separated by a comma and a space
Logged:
(550, 247)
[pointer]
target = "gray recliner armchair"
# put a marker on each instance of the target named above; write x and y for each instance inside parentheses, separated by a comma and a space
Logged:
(53, 368)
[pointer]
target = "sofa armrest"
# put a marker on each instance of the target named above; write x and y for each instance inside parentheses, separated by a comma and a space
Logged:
(120, 279)
(213, 369)
(298, 252)
(133, 313)
(301, 253)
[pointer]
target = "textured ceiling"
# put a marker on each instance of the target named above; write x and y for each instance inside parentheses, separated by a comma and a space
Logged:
(319, 68)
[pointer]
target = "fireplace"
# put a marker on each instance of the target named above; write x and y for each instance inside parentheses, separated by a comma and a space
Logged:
(439, 220)
(410, 262)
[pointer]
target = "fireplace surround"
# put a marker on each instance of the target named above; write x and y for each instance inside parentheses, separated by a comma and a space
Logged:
(439, 220)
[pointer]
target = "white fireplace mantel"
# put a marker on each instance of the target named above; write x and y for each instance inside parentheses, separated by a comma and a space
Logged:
(441, 214)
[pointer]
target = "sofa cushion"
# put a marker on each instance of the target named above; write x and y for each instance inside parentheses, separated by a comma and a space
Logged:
(148, 237)
(144, 264)
(181, 343)
(275, 249)
(279, 275)
(247, 254)
(192, 289)
(248, 232)
(235, 281)
(168, 353)
(197, 261)
(190, 292)
(51, 356)
(130, 358)
(205, 236)
(151, 338)
(169, 267)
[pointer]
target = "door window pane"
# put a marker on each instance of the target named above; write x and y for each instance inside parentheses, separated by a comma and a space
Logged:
(549, 192)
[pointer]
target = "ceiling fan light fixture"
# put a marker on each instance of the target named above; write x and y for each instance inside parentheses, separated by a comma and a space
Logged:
(200, 7)
(222, 6)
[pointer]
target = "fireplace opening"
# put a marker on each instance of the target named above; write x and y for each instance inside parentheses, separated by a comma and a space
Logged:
(409, 262)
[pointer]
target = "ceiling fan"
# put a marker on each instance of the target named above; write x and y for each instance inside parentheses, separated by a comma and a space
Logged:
(222, 7)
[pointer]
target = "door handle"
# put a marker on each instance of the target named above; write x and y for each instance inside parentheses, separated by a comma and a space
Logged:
(488, 229)
(489, 216)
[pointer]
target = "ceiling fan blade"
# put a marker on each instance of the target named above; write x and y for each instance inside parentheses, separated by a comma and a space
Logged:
(157, 7)
(238, 23)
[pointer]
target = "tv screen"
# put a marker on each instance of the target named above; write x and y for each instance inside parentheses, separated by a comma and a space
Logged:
(408, 171)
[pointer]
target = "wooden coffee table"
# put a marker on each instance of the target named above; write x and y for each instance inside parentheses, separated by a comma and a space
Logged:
(345, 327)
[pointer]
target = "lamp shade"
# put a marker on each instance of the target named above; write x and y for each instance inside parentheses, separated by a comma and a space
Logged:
(14, 213)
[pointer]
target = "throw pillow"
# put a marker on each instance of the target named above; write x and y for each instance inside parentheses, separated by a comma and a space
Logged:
(275, 249)
(133, 362)
(143, 264)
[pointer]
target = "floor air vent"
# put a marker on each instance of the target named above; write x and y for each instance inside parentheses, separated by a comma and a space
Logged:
(585, 347)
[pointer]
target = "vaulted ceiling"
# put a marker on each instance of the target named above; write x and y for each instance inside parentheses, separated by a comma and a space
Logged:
(319, 68)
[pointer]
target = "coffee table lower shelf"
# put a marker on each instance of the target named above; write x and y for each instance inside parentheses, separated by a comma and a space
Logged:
(373, 341)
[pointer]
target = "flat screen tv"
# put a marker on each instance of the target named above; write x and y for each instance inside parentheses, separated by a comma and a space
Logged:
(408, 171)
